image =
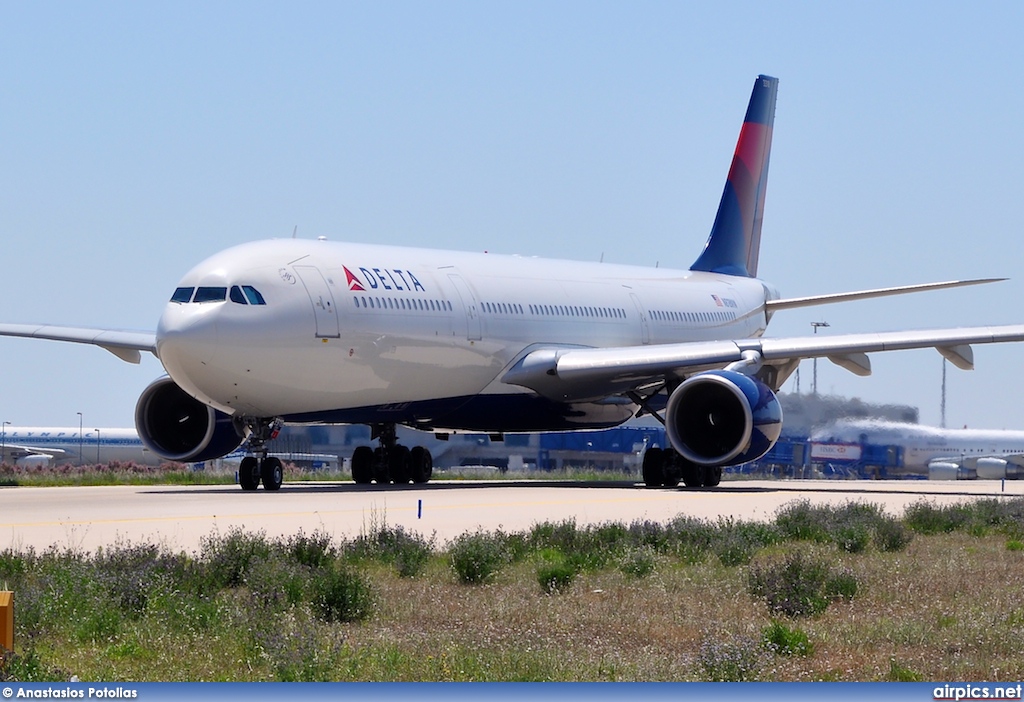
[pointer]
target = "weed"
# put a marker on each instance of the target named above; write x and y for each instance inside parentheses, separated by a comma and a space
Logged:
(313, 551)
(891, 535)
(648, 533)
(409, 553)
(852, 539)
(690, 538)
(637, 562)
(799, 585)
(841, 585)
(729, 659)
(555, 573)
(27, 666)
(782, 640)
(227, 558)
(341, 595)
(735, 543)
(803, 521)
(900, 673)
(476, 557)
(276, 582)
(928, 518)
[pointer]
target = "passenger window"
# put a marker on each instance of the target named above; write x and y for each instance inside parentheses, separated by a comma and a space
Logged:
(210, 294)
(182, 295)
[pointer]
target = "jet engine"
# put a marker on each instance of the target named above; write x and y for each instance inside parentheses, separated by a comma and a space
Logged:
(947, 470)
(176, 426)
(723, 418)
(998, 469)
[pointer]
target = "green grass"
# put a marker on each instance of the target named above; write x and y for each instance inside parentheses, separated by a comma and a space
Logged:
(561, 602)
(178, 474)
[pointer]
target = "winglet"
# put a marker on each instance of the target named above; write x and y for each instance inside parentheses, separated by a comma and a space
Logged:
(735, 239)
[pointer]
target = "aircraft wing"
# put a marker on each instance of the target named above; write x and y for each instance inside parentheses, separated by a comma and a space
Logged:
(126, 345)
(12, 452)
(588, 373)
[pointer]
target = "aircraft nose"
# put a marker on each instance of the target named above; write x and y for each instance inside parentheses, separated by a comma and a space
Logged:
(186, 342)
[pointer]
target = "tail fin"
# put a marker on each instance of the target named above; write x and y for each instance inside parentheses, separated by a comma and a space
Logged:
(735, 238)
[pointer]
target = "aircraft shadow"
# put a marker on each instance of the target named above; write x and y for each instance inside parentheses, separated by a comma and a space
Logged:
(727, 488)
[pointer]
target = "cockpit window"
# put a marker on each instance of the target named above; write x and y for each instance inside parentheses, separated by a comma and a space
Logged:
(253, 295)
(246, 295)
(182, 295)
(210, 294)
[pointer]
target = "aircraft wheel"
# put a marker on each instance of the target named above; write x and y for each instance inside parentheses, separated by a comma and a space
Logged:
(401, 466)
(381, 469)
(249, 473)
(693, 475)
(672, 470)
(362, 465)
(654, 467)
(273, 473)
(422, 465)
(712, 476)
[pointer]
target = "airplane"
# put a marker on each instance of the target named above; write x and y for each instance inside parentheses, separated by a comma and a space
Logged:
(45, 446)
(944, 454)
(41, 446)
(313, 331)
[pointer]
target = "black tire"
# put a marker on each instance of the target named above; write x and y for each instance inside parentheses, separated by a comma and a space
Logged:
(249, 473)
(381, 469)
(672, 468)
(362, 465)
(654, 467)
(272, 473)
(401, 465)
(712, 476)
(693, 475)
(422, 465)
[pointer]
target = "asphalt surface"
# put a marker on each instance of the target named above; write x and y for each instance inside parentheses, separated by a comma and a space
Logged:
(179, 517)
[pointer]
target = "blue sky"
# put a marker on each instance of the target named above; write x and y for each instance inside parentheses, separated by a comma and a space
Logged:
(139, 138)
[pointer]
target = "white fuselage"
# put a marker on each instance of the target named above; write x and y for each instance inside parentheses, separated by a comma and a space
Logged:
(420, 332)
(924, 445)
(68, 445)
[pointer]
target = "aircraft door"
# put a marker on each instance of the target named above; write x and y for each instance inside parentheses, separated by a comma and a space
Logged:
(322, 300)
(470, 304)
(645, 328)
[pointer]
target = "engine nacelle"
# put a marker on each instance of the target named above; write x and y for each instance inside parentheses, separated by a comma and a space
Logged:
(176, 426)
(998, 469)
(723, 418)
(948, 470)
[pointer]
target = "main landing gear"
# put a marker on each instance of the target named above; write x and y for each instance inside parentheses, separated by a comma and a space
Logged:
(260, 467)
(665, 467)
(390, 462)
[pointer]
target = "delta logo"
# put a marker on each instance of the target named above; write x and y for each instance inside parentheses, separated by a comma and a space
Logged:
(382, 279)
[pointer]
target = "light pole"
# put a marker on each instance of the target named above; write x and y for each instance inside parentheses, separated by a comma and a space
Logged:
(814, 380)
(97, 447)
(80, 459)
(3, 440)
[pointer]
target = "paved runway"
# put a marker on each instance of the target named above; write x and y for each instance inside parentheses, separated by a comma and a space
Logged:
(179, 517)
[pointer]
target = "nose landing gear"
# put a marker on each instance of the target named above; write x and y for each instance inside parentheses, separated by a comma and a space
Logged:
(260, 467)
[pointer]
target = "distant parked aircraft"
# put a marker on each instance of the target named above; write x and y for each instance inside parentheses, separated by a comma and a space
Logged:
(35, 446)
(945, 454)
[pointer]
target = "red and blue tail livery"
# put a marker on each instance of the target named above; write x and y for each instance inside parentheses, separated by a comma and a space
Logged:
(735, 238)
